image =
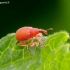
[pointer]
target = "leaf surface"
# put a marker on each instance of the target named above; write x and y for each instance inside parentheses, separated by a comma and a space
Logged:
(56, 55)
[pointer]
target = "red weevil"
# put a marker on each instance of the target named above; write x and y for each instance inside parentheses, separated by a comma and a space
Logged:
(25, 33)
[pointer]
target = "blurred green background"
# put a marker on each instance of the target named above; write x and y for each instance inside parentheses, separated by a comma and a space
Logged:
(36, 13)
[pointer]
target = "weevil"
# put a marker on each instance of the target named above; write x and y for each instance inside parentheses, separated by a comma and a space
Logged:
(23, 34)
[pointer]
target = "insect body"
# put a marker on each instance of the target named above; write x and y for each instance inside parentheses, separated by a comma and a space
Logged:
(25, 33)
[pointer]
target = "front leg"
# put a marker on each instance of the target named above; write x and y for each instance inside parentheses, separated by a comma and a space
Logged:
(39, 39)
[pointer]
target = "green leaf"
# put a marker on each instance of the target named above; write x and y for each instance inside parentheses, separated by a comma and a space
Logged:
(54, 57)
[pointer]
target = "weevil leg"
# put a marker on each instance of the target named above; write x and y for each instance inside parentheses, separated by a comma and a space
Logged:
(39, 39)
(36, 43)
(32, 43)
(26, 47)
(22, 43)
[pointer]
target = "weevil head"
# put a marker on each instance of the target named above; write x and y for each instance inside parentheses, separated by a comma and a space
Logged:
(43, 31)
